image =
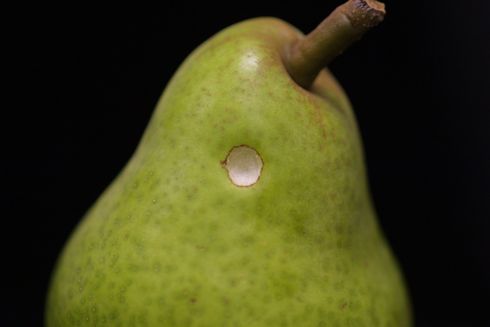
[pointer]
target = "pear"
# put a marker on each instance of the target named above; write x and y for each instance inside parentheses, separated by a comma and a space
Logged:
(246, 202)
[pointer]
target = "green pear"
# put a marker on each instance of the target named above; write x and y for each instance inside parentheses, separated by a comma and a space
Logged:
(246, 202)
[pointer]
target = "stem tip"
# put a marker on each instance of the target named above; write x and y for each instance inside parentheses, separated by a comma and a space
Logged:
(345, 25)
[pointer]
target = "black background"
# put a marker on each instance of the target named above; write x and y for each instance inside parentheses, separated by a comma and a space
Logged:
(87, 80)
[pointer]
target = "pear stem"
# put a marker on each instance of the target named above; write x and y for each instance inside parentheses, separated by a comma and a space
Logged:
(345, 25)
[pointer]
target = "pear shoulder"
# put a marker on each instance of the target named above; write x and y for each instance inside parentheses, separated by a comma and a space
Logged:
(271, 33)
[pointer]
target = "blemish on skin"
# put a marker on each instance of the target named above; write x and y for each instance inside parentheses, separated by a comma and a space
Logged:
(244, 165)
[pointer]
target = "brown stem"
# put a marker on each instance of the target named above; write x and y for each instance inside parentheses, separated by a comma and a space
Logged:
(345, 25)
